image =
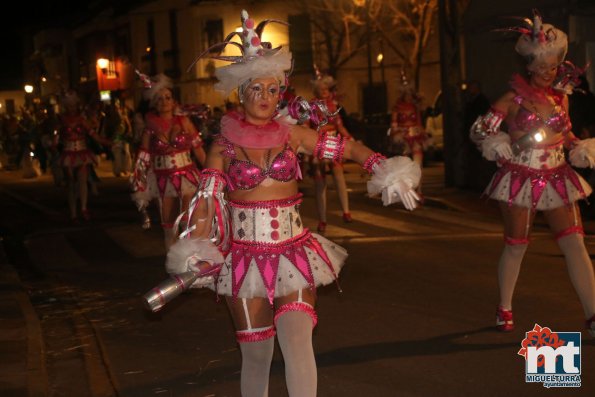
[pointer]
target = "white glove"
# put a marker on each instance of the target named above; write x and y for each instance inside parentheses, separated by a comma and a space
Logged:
(400, 191)
(496, 146)
(503, 151)
(582, 155)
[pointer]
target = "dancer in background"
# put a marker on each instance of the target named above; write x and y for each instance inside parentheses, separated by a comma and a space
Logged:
(406, 124)
(76, 158)
(247, 206)
(165, 168)
(533, 174)
(324, 91)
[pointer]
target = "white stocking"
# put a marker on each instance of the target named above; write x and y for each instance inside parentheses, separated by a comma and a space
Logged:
(256, 367)
(508, 272)
(580, 270)
(320, 183)
(294, 331)
(341, 186)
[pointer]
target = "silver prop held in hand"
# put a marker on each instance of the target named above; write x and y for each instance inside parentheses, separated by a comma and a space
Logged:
(156, 298)
(527, 141)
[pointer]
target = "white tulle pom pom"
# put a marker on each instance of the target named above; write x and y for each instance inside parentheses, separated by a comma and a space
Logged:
(392, 172)
(496, 146)
(141, 199)
(186, 253)
(583, 154)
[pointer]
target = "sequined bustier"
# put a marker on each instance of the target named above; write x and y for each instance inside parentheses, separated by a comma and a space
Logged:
(73, 130)
(245, 175)
(180, 142)
(526, 120)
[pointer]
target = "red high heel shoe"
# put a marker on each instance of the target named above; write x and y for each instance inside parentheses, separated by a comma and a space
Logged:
(347, 217)
(590, 323)
(321, 227)
(504, 321)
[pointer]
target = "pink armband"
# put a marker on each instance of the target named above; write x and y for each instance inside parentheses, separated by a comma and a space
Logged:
(372, 161)
(330, 147)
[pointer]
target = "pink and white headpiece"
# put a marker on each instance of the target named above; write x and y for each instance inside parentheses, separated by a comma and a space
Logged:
(258, 59)
(539, 40)
(322, 80)
(153, 85)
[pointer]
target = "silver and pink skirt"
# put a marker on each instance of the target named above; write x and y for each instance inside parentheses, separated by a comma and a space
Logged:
(538, 178)
(272, 254)
(76, 154)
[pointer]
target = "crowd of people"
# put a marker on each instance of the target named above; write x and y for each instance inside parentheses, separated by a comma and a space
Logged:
(227, 181)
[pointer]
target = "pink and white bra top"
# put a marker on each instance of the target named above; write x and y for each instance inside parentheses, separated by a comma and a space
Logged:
(526, 120)
(74, 128)
(529, 121)
(180, 141)
(246, 175)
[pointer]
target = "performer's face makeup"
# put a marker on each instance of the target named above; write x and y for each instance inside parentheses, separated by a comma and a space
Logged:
(543, 71)
(260, 98)
(324, 92)
(164, 101)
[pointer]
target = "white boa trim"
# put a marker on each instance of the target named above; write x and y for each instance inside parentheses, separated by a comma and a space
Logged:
(393, 172)
(234, 75)
(493, 144)
(142, 199)
(582, 155)
(186, 253)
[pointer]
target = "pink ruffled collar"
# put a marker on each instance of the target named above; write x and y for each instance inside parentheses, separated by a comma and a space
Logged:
(238, 131)
(522, 87)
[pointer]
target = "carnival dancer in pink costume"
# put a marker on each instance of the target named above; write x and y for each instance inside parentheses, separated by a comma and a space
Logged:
(164, 167)
(533, 174)
(406, 126)
(324, 91)
(76, 158)
(245, 217)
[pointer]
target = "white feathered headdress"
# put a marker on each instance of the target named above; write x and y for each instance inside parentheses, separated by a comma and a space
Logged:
(258, 59)
(539, 39)
(154, 85)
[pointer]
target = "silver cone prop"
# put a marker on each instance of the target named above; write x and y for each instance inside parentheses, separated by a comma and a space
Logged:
(156, 298)
(528, 141)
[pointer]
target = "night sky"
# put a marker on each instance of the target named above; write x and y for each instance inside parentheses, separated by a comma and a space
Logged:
(27, 17)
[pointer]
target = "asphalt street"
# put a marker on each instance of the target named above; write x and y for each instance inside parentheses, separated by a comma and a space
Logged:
(415, 316)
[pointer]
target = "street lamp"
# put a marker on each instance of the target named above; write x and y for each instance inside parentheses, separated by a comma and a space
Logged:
(28, 88)
(102, 63)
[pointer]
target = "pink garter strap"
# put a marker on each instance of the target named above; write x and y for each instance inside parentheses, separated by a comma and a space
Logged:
(297, 307)
(255, 336)
(568, 231)
(515, 241)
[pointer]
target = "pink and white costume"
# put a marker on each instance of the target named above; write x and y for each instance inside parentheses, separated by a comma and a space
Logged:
(539, 177)
(271, 252)
(73, 135)
(175, 171)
